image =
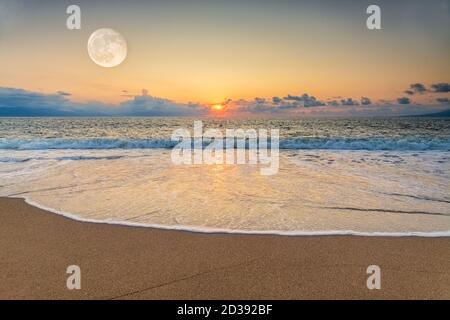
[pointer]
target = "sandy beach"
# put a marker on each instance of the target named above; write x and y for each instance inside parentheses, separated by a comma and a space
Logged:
(119, 262)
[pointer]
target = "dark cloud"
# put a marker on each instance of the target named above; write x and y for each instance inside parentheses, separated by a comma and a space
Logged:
(416, 88)
(305, 100)
(441, 87)
(147, 105)
(63, 93)
(276, 100)
(268, 108)
(365, 101)
(12, 100)
(277, 105)
(333, 103)
(255, 107)
(403, 100)
(386, 102)
(125, 93)
(443, 100)
(260, 100)
(292, 98)
(349, 102)
(19, 102)
(419, 88)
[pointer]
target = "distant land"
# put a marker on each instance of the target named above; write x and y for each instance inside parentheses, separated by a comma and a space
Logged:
(444, 114)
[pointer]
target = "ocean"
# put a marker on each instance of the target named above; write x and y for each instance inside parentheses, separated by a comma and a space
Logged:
(364, 176)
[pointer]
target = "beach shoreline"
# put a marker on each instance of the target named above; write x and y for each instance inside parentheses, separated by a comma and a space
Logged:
(126, 262)
(195, 229)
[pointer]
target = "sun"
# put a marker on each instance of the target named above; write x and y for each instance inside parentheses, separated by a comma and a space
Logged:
(217, 107)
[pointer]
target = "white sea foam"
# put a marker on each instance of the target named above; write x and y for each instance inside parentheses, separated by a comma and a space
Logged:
(315, 193)
(374, 144)
(251, 232)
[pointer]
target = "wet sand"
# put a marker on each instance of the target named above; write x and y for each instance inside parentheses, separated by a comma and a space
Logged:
(120, 262)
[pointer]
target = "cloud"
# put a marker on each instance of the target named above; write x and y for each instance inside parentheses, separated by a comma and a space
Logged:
(365, 101)
(441, 87)
(63, 93)
(260, 100)
(292, 98)
(24, 102)
(403, 100)
(419, 88)
(289, 105)
(305, 100)
(385, 102)
(244, 106)
(333, 103)
(416, 88)
(276, 100)
(19, 102)
(443, 100)
(349, 102)
(147, 105)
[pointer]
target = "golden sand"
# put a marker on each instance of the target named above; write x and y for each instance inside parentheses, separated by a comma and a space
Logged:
(120, 262)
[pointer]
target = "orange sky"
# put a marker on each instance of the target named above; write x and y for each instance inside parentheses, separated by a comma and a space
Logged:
(209, 52)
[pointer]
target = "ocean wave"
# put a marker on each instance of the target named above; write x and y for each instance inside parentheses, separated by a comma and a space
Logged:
(209, 230)
(84, 144)
(375, 144)
(21, 160)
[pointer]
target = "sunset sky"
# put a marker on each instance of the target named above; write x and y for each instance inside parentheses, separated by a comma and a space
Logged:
(205, 53)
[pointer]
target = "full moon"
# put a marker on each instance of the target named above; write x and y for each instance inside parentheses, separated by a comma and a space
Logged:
(107, 47)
